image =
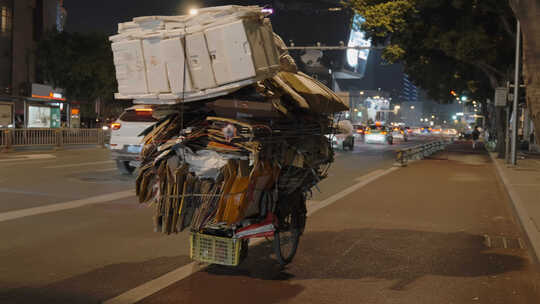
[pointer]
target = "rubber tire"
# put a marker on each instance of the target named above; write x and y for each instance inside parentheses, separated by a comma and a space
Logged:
(298, 222)
(124, 168)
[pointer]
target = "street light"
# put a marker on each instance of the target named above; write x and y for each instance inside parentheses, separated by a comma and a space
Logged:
(193, 11)
(412, 107)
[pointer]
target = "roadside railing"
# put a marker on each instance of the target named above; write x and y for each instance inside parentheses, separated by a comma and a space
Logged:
(403, 156)
(10, 138)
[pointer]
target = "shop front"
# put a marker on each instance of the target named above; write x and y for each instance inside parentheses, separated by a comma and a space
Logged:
(47, 108)
(7, 114)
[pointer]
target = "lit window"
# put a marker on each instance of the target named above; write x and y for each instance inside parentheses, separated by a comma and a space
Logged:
(5, 20)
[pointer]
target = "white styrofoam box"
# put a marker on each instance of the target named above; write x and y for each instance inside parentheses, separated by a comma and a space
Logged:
(199, 62)
(230, 52)
(172, 51)
(263, 48)
(150, 22)
(156, 72)
(189, 96)
(127, 26)
(220, 50)
(270, 47)
(130, 67)
(136, 96)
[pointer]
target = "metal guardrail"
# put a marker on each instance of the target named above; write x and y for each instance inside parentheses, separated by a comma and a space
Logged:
(403, 156)
(51, 137)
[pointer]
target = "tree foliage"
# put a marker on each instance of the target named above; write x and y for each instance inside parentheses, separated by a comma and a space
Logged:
(460, 45)
(81, 64)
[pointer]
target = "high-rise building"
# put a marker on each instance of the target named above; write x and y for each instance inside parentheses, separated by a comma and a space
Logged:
(6, 40)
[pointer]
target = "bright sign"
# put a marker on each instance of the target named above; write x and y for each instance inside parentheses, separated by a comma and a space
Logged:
(357, 38)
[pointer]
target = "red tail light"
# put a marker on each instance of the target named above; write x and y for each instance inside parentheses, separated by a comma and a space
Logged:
(143, 112)
(116, 125)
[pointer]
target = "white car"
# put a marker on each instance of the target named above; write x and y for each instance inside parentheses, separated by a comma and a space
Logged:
(400, 133)
(125, 140)
(378, 134)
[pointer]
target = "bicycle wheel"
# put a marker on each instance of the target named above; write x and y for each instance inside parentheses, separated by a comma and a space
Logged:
(291, 222)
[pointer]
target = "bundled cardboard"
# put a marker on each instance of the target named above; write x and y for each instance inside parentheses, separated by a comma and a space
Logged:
(223, 163)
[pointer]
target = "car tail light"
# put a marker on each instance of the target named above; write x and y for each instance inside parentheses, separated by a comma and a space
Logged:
(383, 132)
(116, 125)
(144, 112)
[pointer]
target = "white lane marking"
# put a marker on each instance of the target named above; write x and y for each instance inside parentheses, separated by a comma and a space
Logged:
(104, 170)
(11, 215)
(80, 164)
(364, 181)
(151, 287)
(364, 177)
(24, 192)
(27, 157)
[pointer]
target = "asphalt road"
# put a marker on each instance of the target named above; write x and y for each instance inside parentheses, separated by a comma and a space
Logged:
(72, 232)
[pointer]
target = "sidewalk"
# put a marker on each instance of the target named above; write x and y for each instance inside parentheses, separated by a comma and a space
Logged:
(523, 186)
(441, 230)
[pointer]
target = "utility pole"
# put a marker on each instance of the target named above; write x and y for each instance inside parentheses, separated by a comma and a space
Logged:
(513, 159)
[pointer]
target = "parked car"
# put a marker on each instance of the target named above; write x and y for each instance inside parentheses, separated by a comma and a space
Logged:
(125, 140)
(378, 134)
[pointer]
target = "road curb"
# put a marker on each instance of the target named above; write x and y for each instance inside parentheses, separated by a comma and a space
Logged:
(526, 221)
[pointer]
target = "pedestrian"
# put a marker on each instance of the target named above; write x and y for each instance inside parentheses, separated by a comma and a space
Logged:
(475, 136)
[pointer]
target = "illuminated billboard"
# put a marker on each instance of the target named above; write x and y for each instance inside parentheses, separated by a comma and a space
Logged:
(357, 59)
(376, 107)
(39, 117)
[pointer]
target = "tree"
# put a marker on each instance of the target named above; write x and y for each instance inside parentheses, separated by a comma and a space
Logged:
(528, 13)
(460, 45)
(81, 64)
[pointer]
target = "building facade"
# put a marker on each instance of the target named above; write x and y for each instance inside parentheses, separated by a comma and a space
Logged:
(6, 40)
(22, 24)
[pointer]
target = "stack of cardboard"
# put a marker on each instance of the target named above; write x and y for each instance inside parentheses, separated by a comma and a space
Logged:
(226, 162)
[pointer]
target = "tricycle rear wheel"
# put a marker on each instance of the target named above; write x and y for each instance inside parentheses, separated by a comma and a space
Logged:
(291, 222)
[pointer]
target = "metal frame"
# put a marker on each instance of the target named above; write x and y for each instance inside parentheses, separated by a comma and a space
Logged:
(403, 156)
(51, 137)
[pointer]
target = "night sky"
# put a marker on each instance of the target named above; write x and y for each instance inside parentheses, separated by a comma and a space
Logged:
(104, 15)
